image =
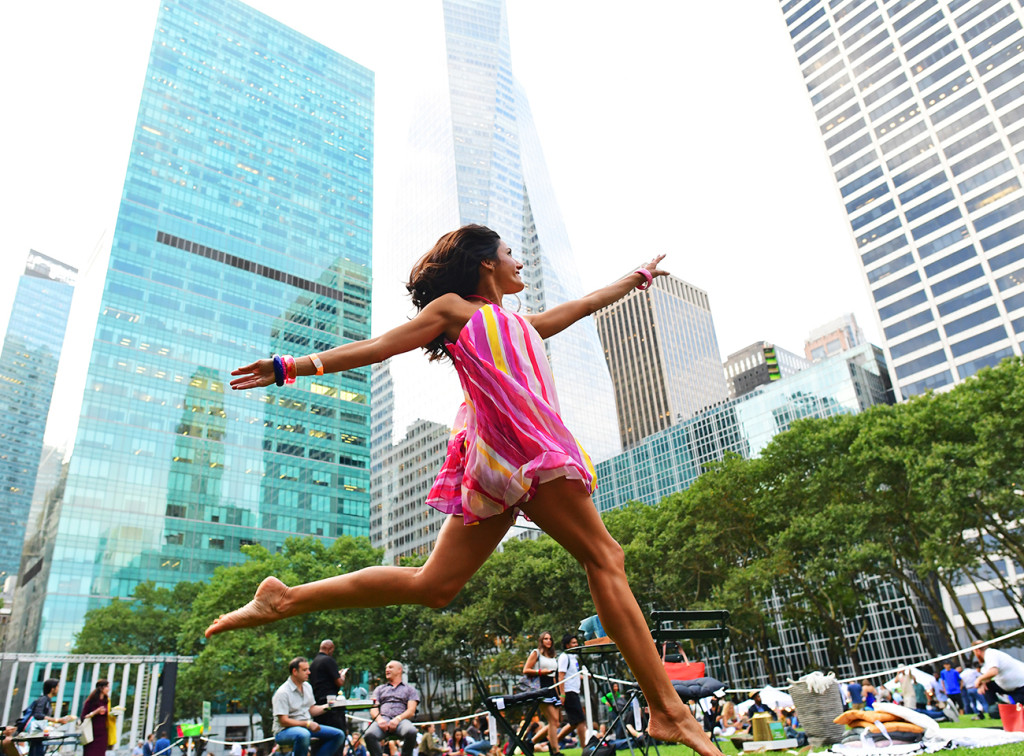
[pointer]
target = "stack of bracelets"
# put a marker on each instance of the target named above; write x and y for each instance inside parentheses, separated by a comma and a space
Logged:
(284, 368)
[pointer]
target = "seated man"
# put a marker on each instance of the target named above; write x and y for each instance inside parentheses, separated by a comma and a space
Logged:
(396, 706)
(294, 708)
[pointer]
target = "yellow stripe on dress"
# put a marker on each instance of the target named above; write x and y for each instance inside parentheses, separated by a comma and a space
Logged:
(494, 460)
(494, 340)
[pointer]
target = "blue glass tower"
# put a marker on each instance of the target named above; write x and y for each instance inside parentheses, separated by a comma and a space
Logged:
(919, 106)
(244, 229)
(28, 369)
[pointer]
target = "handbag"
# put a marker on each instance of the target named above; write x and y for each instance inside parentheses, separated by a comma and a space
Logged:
(684, 670)
(84, 730)
(527, 684)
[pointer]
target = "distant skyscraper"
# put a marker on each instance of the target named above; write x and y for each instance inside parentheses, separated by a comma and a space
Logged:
(663, 356)
(920, 108)
(834, 337)
(759, 364)
(474, 157)
(28, 368)
(244, 229)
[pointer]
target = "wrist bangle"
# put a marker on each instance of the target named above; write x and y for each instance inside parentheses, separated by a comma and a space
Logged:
(648, 279)
(278, 370)
(317, 363)
(289, 369)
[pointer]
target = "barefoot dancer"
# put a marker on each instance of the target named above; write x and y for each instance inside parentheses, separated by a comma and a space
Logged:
(510, 450)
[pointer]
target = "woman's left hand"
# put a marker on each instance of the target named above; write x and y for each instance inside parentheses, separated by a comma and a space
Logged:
(652, 267)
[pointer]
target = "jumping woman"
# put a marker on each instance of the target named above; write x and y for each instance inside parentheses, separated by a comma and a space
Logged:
(509, 451)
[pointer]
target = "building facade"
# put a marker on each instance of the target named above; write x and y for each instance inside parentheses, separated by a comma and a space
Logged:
(244, 229)
(663, 356)
(759, 364)
(28, 369)
(919, 106)
(833, 337)
(669, 461)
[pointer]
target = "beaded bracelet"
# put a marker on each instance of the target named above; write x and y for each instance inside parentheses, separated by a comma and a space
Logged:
(289, 369)
(278, 370)
(648, 279)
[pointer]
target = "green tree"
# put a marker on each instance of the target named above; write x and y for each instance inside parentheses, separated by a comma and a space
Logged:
(146, 624)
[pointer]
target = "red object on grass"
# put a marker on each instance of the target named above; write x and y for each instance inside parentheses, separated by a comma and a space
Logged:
(1012, 716)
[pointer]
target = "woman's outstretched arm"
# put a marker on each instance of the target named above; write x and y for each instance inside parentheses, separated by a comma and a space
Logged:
(559, 318)
(444, 315)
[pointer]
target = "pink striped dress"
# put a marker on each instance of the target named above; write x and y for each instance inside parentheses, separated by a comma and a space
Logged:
(508, 436)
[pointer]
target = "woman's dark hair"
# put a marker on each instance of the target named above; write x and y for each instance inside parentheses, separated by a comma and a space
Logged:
(97, 692)
(452, 266)
(50, 684)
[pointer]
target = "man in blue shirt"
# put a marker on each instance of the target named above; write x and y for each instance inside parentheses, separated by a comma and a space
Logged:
(856, 699)
(951, 680)
(162, 747)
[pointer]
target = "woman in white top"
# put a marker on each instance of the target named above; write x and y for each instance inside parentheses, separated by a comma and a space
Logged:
(541, 663)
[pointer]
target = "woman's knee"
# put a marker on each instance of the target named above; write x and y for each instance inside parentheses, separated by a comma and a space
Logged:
(606, 555)
(437, 591)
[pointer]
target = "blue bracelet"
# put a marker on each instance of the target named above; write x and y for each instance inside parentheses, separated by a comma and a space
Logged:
(278, 370)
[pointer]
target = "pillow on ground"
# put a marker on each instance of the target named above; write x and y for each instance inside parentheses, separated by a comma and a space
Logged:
(864, 716)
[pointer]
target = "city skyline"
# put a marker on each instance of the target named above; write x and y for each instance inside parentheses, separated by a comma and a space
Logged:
(681, 169)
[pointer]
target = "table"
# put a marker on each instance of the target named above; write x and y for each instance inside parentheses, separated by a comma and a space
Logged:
(51, 743)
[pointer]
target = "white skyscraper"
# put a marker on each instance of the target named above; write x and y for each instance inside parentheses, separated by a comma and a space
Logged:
(919, 104)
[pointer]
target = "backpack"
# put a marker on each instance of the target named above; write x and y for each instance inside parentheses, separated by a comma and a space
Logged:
(26, 715)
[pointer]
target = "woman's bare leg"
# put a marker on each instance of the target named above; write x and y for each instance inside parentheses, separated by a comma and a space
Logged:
(564, 510)
(457, 555)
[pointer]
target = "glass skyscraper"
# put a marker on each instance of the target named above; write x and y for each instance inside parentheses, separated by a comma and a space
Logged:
(244, 229)
(28, 369)
(919, 104)
(474, 156)
(670, 460)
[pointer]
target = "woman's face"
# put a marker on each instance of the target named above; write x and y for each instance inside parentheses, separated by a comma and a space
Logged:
(506, 272)
(545, 640)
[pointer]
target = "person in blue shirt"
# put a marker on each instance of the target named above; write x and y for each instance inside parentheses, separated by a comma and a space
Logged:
(162, 747)
(951, 679)
(856, 699)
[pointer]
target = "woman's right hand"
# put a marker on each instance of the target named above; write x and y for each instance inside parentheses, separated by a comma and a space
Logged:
(254, 375)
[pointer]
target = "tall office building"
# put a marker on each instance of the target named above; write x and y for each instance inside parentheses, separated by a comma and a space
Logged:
(919, 105)
(759, 364)
(474, 156)
(244, 229)
(28, 369)
(663, 356)
(833, 337)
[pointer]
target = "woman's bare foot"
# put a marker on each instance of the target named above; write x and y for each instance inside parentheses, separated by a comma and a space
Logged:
(264, 608)
(687, 730)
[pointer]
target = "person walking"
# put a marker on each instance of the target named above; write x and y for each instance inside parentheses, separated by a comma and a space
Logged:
(542, 664)
(509, 452)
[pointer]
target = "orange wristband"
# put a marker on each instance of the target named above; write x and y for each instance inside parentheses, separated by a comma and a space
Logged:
(317, 363)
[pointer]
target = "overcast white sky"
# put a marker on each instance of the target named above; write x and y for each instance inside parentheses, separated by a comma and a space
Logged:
(667, 126)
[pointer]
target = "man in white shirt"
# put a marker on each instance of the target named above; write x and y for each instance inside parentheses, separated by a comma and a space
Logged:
(969, 687)
(1000, 673)
(294, 708)
(568, 669)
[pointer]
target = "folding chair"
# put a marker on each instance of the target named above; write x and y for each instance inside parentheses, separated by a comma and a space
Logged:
(496, 706)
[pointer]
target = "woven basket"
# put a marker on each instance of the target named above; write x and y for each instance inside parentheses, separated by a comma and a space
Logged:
(816, 712)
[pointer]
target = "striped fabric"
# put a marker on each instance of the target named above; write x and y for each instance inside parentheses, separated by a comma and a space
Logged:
(508, 436)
